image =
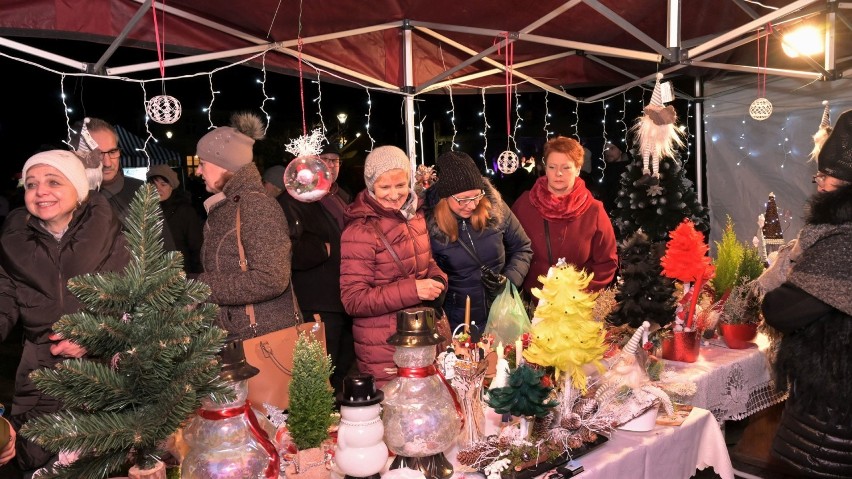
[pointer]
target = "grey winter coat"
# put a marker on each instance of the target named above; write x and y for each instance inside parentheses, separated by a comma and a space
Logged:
(266, 241)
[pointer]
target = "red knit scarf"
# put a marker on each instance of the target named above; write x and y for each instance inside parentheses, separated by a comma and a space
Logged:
(560, 208)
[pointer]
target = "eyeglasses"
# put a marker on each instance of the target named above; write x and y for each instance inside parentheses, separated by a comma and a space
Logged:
(819, 179)
(467, 201)
(111, 154)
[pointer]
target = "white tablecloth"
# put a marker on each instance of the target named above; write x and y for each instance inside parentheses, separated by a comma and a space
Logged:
(731, 383)
(670, 452)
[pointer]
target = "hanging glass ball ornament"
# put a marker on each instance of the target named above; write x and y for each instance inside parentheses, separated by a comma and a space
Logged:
(163, 109)
(507, 162)
(307, 178)
(760, 109)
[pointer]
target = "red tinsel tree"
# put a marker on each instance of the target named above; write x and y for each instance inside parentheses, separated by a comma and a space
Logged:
(686, 260)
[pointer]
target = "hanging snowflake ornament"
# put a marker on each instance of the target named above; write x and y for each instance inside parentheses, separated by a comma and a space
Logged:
(760, 109)
(163, 109)
(307, 178)
(508, 162)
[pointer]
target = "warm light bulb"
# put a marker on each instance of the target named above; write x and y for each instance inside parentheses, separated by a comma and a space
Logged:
(806, 40)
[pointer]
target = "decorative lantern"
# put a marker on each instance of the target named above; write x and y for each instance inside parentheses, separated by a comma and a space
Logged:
(225, 439)
(163, 109)
(360, 451)
(508, 162)
(422, 416)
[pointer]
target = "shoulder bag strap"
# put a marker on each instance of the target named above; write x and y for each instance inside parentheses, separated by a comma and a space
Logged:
(388, 246)
(244, 267)
(470, 251)
(547, 239)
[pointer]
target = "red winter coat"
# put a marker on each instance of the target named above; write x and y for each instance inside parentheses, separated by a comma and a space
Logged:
(372, 287)
(587, 241)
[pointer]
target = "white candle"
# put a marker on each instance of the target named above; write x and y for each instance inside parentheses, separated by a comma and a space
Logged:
(501, 351)
(519, 348)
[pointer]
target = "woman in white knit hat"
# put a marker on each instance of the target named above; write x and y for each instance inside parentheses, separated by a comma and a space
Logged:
(64, 231)
(385, 260)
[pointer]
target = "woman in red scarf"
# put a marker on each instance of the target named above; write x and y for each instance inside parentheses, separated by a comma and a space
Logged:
(563, 220)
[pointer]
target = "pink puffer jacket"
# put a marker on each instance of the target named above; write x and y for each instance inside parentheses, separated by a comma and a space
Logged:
(372, 286)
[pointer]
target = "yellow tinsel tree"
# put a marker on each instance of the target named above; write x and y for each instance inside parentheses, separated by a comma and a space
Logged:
(567, 336)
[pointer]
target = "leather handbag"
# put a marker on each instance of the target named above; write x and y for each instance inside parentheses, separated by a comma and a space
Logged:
(272, 353)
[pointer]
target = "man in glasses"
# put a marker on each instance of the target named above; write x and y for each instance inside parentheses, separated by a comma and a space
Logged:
(116, 187)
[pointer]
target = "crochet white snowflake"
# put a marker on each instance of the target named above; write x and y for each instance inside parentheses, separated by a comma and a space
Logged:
(307, 145)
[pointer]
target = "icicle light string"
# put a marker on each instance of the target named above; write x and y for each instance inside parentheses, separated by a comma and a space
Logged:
(65, 110)
(420, 133)
(576, 124)
(605, 141)
(318, 101)
(623, 112)
(785, 144)
(369, 112)
(484, 133)
(148, 131)
(517, 119)
(689, 135)
(266, 97)
(546, 116)
(209, 108)
(452, 114)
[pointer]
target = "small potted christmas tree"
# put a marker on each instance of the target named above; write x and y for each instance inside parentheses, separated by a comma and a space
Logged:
(311, 406)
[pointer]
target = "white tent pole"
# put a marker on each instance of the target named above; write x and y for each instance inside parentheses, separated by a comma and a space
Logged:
(117, 71)
(143, 9)
(340, 69)
(43, 54)
(698, 128)
(830, 39)
(611, 66)
(673, 28)
(749, 27)
(750, 69)
(408, 90)
(497, 64)
(628, 27)
(494, 71)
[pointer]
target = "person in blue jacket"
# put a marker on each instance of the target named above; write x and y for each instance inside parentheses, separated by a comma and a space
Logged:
(475, 238)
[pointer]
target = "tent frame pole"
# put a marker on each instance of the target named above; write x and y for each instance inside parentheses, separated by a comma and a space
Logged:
(408, 99)
(143, 9)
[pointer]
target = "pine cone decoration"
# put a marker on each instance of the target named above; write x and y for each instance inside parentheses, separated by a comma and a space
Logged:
(571, 421)
(469, 456)
(575, 441)
(587, 435)
(585, 407)
(542, 425)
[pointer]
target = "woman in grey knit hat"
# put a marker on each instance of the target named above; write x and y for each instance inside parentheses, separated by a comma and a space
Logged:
(812, 307)
(385, 261)
(229, 173)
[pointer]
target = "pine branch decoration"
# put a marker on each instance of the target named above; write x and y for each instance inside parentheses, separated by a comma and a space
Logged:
(152, 355)
(524, 396)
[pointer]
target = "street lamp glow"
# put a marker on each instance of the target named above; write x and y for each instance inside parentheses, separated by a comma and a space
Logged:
(169, 134)
(341, 117)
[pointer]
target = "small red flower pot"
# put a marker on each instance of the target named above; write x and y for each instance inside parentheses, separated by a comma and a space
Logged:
(738, 336)
(682, 346)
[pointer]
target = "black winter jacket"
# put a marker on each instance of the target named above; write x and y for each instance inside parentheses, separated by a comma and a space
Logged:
(185, 228)
(503, 246)
(33, 278)
(814, 358)
(315, 269)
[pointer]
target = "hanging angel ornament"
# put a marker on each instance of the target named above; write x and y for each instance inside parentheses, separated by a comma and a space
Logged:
(657, 134)
(307, 178)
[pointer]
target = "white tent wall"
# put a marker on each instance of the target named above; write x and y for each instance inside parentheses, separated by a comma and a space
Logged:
(745, 158)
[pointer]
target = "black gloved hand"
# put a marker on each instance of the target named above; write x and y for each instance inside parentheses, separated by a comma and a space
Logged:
(493, 282)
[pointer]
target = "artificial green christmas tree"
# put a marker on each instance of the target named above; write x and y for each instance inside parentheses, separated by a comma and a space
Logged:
(311, 396)
(643, 294)
(152, 355)
(657, 209)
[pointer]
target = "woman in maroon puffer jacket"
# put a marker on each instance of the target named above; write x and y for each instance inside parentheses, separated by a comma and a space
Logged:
(375, 283)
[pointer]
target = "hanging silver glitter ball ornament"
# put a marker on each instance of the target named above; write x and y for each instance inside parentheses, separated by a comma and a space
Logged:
(760, 109)
(508, 162)
(163, 109)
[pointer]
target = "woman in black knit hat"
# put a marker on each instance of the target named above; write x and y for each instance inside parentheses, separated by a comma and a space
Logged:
(475, 237)
(812, 307)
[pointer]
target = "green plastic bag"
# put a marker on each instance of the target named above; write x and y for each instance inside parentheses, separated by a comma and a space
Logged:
(507, 319)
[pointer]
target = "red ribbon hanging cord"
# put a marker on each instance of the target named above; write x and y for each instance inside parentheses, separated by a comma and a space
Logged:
(302, 88)
(160, 41)
(256, 430)
(761, 82)
(509, 63)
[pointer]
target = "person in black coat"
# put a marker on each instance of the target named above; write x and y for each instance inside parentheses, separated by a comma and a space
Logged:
(315, 230)
(812, 307)
(184, 224)
(475, 238)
